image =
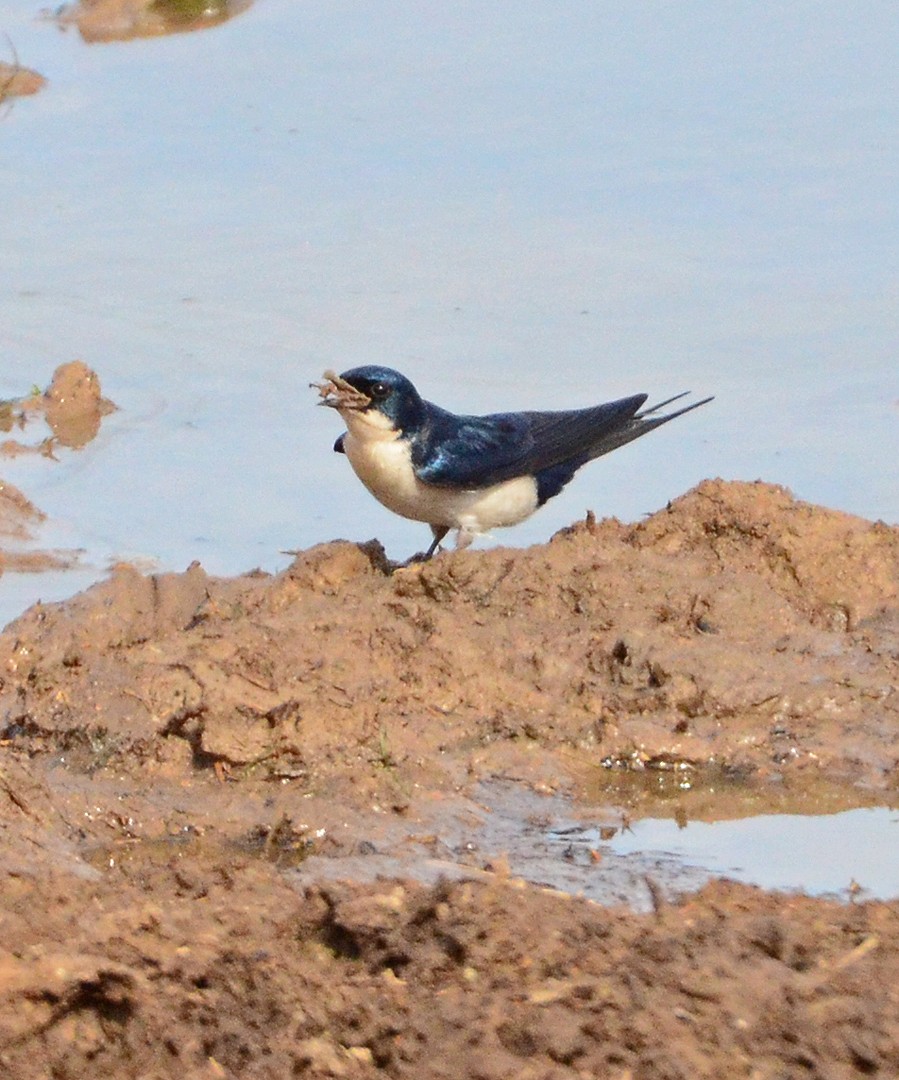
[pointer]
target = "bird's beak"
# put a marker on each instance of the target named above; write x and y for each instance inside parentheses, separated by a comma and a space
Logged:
(337, 393)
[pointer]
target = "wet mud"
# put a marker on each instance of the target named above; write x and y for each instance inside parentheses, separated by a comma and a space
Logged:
(65, 416)
(249, 826)
(100, 21)
(19, 517)
(17, 81)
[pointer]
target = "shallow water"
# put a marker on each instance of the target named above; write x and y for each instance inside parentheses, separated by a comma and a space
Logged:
(517, 207)
(843, 854)
(503, 828)
(846, 855)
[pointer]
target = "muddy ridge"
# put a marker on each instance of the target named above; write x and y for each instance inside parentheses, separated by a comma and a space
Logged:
(175, 749)
(739, 627)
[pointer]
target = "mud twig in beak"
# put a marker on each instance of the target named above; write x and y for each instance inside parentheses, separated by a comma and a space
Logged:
(337, 393)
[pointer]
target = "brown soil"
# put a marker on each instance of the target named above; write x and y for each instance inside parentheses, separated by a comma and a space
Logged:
(175, 747)
(74, 405)
(17, 513)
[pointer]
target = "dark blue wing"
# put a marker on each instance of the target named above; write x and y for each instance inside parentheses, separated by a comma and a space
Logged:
(477, 451)
(471, 451)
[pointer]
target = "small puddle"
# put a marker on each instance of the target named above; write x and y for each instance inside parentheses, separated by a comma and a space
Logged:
(843, 855)
(615, 860)
(610, 855)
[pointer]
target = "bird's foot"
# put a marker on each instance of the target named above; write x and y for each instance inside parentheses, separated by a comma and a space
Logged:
(416, 560)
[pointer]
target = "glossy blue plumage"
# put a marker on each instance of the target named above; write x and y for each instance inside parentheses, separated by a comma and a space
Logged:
(477, 451)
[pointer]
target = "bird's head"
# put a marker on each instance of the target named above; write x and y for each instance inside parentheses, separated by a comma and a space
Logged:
(373, 394)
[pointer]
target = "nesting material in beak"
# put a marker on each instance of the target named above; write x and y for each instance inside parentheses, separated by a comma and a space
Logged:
(337, 393)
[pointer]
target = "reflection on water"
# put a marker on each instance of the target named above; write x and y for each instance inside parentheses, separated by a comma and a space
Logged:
(845, 854)
(808, 834)
(709, 792)
(614, 860)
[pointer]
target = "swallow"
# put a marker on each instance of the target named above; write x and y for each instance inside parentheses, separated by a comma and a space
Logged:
(471, 473)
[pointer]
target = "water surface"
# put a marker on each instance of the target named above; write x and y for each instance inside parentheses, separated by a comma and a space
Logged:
(517, 206)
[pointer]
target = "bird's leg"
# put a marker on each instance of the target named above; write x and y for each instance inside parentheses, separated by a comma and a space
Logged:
(439, 532)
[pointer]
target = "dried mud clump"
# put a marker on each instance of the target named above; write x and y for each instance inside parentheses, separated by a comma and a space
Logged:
(739, 627)
(74, 404)
(73, 407)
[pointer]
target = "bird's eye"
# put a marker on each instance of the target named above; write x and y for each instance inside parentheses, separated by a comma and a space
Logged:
(378, 390)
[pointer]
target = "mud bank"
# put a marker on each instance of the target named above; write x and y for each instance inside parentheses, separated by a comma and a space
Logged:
(738, 630)
(181, 757)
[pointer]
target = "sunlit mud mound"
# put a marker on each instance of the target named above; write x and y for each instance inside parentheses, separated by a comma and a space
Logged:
(181, 755)
(121, 20)
(739, 627)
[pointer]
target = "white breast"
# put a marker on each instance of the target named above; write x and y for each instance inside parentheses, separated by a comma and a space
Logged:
(383, 462)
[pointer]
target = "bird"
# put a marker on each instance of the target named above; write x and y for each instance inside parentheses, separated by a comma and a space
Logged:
(471, 473)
